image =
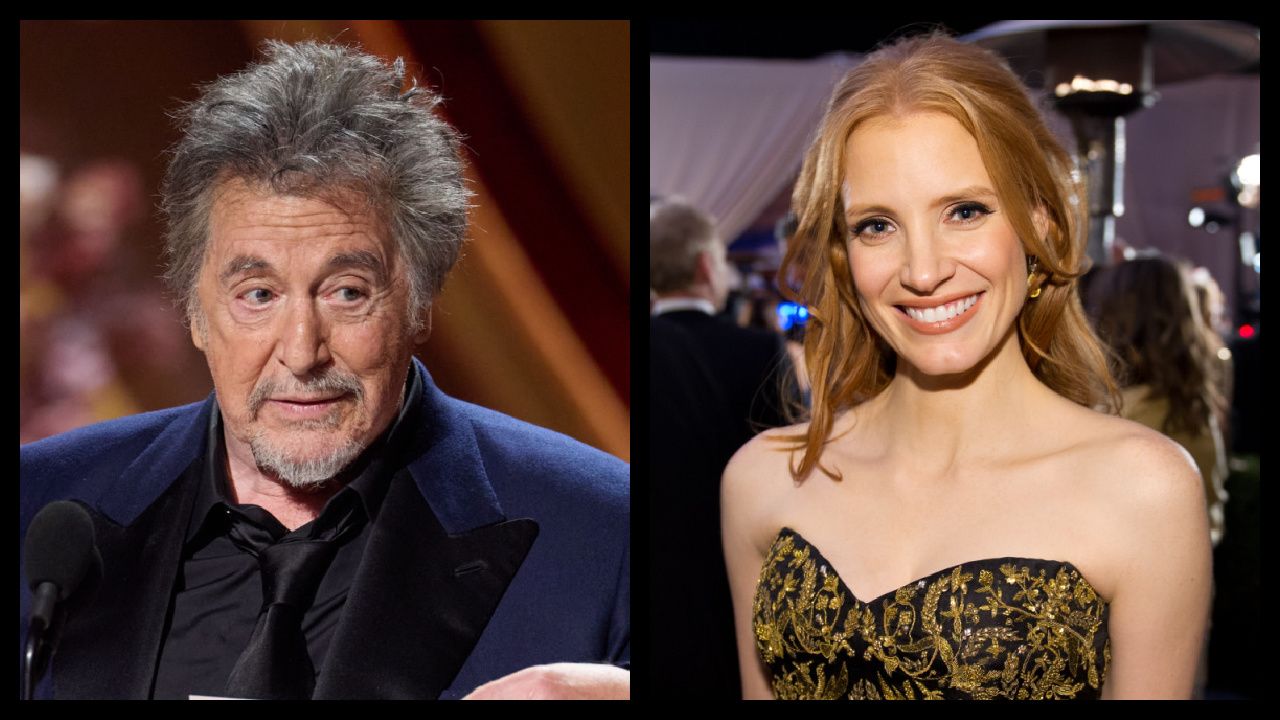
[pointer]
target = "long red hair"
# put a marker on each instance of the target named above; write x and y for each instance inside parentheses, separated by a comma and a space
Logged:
(848, 362)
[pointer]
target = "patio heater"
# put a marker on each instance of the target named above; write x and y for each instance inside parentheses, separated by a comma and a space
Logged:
(1098, 71)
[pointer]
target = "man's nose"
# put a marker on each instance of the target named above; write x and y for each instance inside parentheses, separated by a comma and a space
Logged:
(304, 345)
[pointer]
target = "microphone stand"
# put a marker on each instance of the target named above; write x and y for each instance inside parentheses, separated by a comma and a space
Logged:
(33, 659)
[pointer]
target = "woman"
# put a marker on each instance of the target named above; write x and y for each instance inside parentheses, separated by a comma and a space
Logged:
(955, 520)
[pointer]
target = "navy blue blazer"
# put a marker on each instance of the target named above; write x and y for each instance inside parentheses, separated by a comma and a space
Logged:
(508, 548)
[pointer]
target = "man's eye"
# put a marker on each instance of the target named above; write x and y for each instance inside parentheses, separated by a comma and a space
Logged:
(351, 294)
(259, 296)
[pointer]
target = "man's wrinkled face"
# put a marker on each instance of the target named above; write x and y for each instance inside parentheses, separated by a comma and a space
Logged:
(305, 327)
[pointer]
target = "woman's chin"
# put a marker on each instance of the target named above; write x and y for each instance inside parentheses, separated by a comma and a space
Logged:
(942, 367)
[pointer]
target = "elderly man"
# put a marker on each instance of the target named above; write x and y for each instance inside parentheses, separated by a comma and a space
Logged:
(329, 524)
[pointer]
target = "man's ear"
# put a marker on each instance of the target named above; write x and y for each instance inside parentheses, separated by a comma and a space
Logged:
(422, 335)
(198, 330)
(705, 269)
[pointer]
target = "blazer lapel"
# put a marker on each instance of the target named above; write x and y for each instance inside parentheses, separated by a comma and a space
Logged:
(439, 559)
(111, 642)
(420, 601)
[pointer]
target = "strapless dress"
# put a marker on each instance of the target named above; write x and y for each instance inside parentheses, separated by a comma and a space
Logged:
(1000, 628)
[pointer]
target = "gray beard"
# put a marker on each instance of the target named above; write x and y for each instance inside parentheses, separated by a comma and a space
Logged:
(311, 473)
(306, 474)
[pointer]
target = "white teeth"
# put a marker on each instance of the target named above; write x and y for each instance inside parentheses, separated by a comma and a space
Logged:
(942, 312)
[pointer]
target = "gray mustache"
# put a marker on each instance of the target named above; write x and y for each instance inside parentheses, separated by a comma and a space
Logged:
(326, 384)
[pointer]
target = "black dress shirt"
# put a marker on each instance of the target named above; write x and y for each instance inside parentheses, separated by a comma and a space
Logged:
(218, 593)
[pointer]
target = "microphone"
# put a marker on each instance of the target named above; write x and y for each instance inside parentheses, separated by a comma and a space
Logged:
(59, 552)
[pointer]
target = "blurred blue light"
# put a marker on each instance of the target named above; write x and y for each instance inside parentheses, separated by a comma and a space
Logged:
(790, 314)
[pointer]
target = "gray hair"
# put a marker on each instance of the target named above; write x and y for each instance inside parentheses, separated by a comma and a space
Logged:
(317, 120)
(678, 234)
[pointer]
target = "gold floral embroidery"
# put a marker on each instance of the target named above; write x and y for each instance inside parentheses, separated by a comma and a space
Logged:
(1033, 629)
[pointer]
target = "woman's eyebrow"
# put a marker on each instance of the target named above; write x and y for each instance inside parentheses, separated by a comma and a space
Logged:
(962, 194)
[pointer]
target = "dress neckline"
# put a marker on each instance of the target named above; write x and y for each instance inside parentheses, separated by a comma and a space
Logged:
(985, 561)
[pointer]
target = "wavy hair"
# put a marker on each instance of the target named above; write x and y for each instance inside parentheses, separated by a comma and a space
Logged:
(1147, 311)
(848, 361)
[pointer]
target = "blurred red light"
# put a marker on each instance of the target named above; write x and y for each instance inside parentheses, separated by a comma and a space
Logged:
(1246, 331)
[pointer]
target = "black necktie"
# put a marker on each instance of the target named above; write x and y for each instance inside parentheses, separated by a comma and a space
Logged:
(276, 664)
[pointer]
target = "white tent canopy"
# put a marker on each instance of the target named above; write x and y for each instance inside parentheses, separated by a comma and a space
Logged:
(729, 134)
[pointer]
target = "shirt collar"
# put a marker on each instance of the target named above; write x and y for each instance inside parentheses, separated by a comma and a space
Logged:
(666, 305)
(367, 477)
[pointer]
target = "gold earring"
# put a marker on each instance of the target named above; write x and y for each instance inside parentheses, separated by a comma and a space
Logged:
(1031, 276)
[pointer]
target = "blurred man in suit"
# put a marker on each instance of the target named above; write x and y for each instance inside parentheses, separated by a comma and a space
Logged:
(712, 386)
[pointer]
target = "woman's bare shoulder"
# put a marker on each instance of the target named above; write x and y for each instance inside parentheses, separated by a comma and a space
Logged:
(1139, 473)
(1133, 449)
(766, 452)
(766, 466)
(762, 467)
(1120, 485)
(757, 481)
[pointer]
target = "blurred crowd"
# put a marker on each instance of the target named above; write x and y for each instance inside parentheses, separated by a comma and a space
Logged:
(98, 338)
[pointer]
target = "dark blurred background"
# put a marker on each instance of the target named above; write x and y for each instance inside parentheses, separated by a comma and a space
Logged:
(534, 320)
